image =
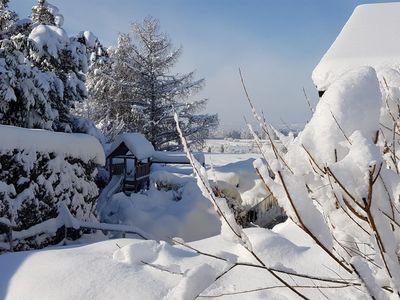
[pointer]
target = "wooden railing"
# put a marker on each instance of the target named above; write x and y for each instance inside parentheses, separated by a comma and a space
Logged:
(142, 170)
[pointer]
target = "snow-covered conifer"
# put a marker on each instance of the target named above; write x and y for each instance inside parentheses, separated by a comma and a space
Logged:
(43, 71)
(7, 17)
(137, 90)
(53, 52)
(24, 90)
(44, 13)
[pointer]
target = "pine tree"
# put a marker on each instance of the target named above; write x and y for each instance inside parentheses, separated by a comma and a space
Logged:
(43, 71)
(7, 17)
(24, 90)
(137, 91)
(111, 88)
(44, 13)
(53, 52)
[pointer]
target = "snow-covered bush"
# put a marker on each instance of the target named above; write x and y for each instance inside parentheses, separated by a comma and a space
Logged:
(39, 171)
(339, 182)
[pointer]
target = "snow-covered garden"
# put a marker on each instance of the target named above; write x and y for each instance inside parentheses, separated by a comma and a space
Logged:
(103, 194)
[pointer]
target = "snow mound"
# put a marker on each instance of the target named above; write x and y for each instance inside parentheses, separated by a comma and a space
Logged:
(160, 215)
(48, 39)
(137, 269)
(367, 39)
(90, 38)
(242, 176)
(340, 112)
(136, 253)
(82, 146)
(194, 282)
(137, 144)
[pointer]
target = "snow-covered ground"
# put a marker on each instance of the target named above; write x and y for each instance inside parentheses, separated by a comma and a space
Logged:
(177, 208)
(231, 146)
(138, 269)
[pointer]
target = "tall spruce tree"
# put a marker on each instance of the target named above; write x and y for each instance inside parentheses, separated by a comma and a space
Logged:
(51, 50)
(43, 71)
(24, 89)
(136, 90)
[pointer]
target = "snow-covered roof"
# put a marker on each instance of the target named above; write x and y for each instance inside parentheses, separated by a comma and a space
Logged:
(369, 38)
(136, 143)
(78, 145)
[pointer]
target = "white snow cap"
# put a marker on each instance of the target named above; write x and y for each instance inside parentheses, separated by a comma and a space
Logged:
(90, 38)
(137, 144)
(346, 103)
(50, 37)
(78, 145)
(369, 38)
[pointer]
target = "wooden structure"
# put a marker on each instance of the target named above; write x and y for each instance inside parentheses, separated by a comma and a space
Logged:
(130, 157)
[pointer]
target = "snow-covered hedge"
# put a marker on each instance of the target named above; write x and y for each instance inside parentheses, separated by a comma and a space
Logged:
(40, 170)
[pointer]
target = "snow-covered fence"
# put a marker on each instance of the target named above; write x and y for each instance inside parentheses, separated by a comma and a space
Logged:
(39, 171)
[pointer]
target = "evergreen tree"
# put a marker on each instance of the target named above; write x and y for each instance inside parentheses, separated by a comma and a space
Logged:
(44, 13)
(52, 51)
(24, 90)
(7, 17)
(137, 91)
(43, 71)
(111, 88)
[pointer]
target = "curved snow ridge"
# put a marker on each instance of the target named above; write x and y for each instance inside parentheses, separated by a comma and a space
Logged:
(78, 145)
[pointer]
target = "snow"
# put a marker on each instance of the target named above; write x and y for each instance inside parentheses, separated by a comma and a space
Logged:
(160, 214)
(90, 39)
(337, 116)
(76, 145)
(137, 144)
(175, 157)
(367, 39)
(194, 281)
(137, 269)
(49, 39)
(239, 174)
(336, 158)
(59, 18)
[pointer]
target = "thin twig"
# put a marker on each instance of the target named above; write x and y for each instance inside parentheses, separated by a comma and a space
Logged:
(340, 127)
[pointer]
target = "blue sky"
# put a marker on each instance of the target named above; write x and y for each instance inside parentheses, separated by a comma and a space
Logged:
(276, 43)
